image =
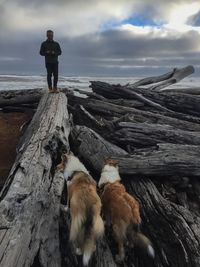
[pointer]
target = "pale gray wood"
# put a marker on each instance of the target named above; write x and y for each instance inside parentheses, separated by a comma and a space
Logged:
(30, 198)
(153, 79)
(148, 134)
(192, 91)
(177, 103)
(167, 159)
(166, 79)
(88, 138)
(178, 75)
(107, 109)
(13, 97)
(23, 98)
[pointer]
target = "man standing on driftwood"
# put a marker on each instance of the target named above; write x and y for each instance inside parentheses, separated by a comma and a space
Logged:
(51, 50)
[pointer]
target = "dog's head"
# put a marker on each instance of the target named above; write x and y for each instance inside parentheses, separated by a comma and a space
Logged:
(70, 164)
(64, 160)
(110, 172)
(111, 162)
(66, 156)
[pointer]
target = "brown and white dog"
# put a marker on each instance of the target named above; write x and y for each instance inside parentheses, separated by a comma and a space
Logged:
(85, 207)
(122, 211)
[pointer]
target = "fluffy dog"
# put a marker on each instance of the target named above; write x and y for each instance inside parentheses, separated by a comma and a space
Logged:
(122, 211)
(85, 207)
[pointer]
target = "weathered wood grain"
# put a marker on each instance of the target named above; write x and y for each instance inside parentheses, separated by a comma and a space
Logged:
(182, 103)
(30, 199)
(173, 229)
(167, 79)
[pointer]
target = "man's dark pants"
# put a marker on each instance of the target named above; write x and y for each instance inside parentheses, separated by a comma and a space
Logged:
(52, 69)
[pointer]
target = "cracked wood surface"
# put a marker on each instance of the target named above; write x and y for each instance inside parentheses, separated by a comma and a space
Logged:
(30, 198)
(173, 229)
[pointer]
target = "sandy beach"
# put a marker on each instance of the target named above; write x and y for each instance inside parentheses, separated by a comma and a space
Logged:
(10, 124)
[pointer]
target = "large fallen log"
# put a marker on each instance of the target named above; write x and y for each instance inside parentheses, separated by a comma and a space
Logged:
(173, 229)
(153, 79)
(192, 91)
(178, 102)
(30, 198)
(19, 97)
(146, 134)
(165, 160)
(27, 98)
(167, 79)
(107, 109)
(178, 75)
(183, 103)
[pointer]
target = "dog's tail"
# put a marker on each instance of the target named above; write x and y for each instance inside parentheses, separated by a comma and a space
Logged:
(94, 229)
(142, 242)
(98, 226)
(76, 228)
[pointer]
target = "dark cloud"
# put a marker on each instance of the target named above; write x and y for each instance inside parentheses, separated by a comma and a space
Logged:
(123, 44)
(87, 50)
(112, 52)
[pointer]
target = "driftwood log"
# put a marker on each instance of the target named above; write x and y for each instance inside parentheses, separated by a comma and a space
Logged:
(183, 103)
(20, 97)
(110, 110)
(21, 100)
(30, 198)
(165, 80)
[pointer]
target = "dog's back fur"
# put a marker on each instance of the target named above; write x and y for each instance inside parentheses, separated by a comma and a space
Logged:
(119, 204)
(122, 210)
(85, 207)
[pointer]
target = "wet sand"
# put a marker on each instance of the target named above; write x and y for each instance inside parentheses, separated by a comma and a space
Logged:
(10, 124)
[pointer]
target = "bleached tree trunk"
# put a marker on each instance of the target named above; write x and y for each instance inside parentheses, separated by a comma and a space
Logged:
(30, 198)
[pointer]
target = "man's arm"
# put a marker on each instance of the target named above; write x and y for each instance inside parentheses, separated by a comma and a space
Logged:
(58, 51)
(42, 50)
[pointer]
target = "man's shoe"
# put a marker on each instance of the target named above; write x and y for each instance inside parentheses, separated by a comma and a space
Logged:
(51, 90)
(56, 90)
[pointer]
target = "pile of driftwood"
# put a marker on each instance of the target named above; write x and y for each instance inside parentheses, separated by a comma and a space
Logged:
(152, 130)
(155, 135)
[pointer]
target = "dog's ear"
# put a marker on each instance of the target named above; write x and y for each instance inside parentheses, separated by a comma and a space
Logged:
(115, 162)
(64, 157)
(112, 162)
(105, 161)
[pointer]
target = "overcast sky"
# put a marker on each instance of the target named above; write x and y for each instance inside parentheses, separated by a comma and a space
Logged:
(101, 37)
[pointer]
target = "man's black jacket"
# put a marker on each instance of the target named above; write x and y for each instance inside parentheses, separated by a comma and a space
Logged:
(54, 51)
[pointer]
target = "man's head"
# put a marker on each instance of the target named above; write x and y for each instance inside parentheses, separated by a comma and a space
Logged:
(50, 35)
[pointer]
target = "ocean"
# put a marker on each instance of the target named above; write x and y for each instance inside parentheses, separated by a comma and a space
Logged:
(13, 82)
